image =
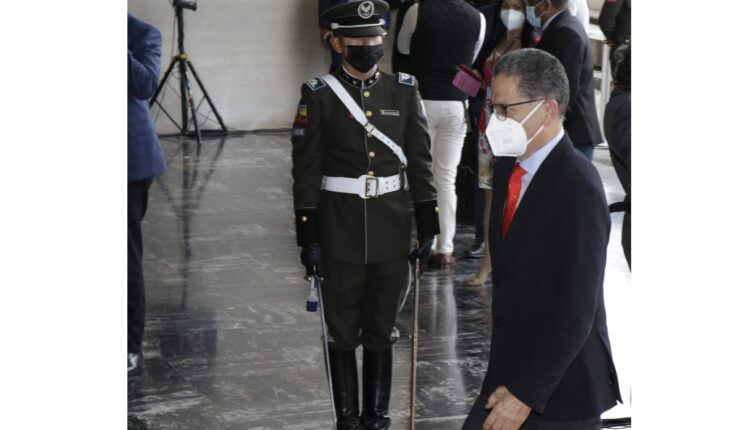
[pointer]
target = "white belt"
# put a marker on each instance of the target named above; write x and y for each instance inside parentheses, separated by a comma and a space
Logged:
(365, 186)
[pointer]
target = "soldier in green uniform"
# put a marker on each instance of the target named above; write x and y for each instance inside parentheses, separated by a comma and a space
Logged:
(360, 151)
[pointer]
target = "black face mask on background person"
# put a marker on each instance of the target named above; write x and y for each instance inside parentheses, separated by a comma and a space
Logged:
(363, 58)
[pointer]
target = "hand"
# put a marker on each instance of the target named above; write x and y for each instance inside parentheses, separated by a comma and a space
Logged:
(508, 413)
(423, 251)
(312, 260)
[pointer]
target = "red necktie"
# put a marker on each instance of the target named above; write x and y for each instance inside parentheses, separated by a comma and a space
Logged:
(514, 194)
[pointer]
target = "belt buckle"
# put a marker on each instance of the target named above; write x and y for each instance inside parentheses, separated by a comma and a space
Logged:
(369, 180)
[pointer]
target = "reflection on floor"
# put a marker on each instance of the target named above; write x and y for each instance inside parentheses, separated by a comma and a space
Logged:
(229, 344)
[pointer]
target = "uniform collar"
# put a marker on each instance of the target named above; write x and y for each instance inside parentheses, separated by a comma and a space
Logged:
(351, 80)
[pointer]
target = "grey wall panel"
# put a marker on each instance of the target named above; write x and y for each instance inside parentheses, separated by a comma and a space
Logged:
(252, 56)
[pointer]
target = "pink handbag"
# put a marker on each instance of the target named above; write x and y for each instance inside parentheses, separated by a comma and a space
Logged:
(466, 81)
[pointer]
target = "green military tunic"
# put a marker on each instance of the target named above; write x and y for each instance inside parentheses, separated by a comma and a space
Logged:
(328, 141)
(364, 242)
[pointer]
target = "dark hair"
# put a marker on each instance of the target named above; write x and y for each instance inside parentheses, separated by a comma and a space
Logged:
(498, 32)
(558, 2)
(622, 67)
(541, 75)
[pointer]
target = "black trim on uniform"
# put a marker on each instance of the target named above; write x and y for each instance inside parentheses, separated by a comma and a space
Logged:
(306, 221)
(426, 216)
(358, 83)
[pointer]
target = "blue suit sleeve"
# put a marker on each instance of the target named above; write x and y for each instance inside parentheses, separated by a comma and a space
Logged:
(144, 63)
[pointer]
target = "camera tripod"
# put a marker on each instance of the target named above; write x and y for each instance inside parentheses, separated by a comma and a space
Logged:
(186, 94)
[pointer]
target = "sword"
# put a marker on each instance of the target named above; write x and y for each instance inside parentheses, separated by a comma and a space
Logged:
(315, 283)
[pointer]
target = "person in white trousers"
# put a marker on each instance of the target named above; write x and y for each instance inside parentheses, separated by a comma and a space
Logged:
(437, 36)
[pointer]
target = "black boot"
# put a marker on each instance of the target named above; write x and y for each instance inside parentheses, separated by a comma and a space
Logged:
(376, 378)
(345, 390)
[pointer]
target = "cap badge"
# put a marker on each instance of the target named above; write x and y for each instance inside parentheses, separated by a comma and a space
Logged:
(365, 10)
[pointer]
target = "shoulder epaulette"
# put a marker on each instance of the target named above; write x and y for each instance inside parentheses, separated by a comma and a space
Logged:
(406, 79)
(315, 84)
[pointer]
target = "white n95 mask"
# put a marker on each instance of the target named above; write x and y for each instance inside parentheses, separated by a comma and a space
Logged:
(507, 137)
(512, 19)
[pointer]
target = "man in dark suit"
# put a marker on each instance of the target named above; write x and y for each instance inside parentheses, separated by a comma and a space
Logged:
(352, 187)
(617, 131)
(565, 38)
(550, 363)
(145, 160)
(614, 20)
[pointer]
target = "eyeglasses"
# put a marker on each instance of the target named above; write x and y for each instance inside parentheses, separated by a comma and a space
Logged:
(501, 111)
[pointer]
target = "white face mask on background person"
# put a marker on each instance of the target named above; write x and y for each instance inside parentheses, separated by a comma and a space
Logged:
(512, 19)
(507, 138)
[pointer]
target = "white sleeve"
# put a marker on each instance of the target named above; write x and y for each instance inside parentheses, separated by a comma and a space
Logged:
(480, 40)
(583, 15)
(573, 7)
(408, 25)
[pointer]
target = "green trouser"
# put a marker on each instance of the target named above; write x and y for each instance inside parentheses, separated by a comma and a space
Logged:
(362, 301)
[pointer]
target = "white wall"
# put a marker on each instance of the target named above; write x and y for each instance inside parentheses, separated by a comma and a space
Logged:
(252, 56)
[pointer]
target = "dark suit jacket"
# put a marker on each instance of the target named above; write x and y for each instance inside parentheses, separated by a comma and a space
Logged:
(617, 130)
(145, 158)
(550, 345)
(566, 39)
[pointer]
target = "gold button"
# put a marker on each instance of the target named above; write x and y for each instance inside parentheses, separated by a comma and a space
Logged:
(369, 113)
(372, 154)
(437, 209)
(369, 134)
(370, 173)
(304, 218)
(366, 94)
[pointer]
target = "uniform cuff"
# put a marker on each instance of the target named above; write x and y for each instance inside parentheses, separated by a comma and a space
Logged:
(306, 221)
(426, 215)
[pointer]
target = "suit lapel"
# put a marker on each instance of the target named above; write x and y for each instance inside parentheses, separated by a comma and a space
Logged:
(537, 191)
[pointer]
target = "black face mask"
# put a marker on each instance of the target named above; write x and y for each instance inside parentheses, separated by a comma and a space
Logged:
(363, 58)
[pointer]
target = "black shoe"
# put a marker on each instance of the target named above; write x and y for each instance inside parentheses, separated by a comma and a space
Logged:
(376, 377)
(475, 253)
(345, 389)
(134, 360)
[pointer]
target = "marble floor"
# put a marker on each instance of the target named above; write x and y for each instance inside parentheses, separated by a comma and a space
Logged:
(229, 344)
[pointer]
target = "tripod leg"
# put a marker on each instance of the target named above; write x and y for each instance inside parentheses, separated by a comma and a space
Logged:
(191, 103)
(195, 119)
(163, 81)
(205, 93)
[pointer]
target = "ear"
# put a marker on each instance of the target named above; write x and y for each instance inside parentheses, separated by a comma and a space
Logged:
(336, 44)
(551, 112)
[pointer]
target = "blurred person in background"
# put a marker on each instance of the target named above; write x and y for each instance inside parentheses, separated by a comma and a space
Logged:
(614, 20)
(507, 31)
(564, 37)
(617, 132)
(580, 10)
(437, 36)
(145, 160)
